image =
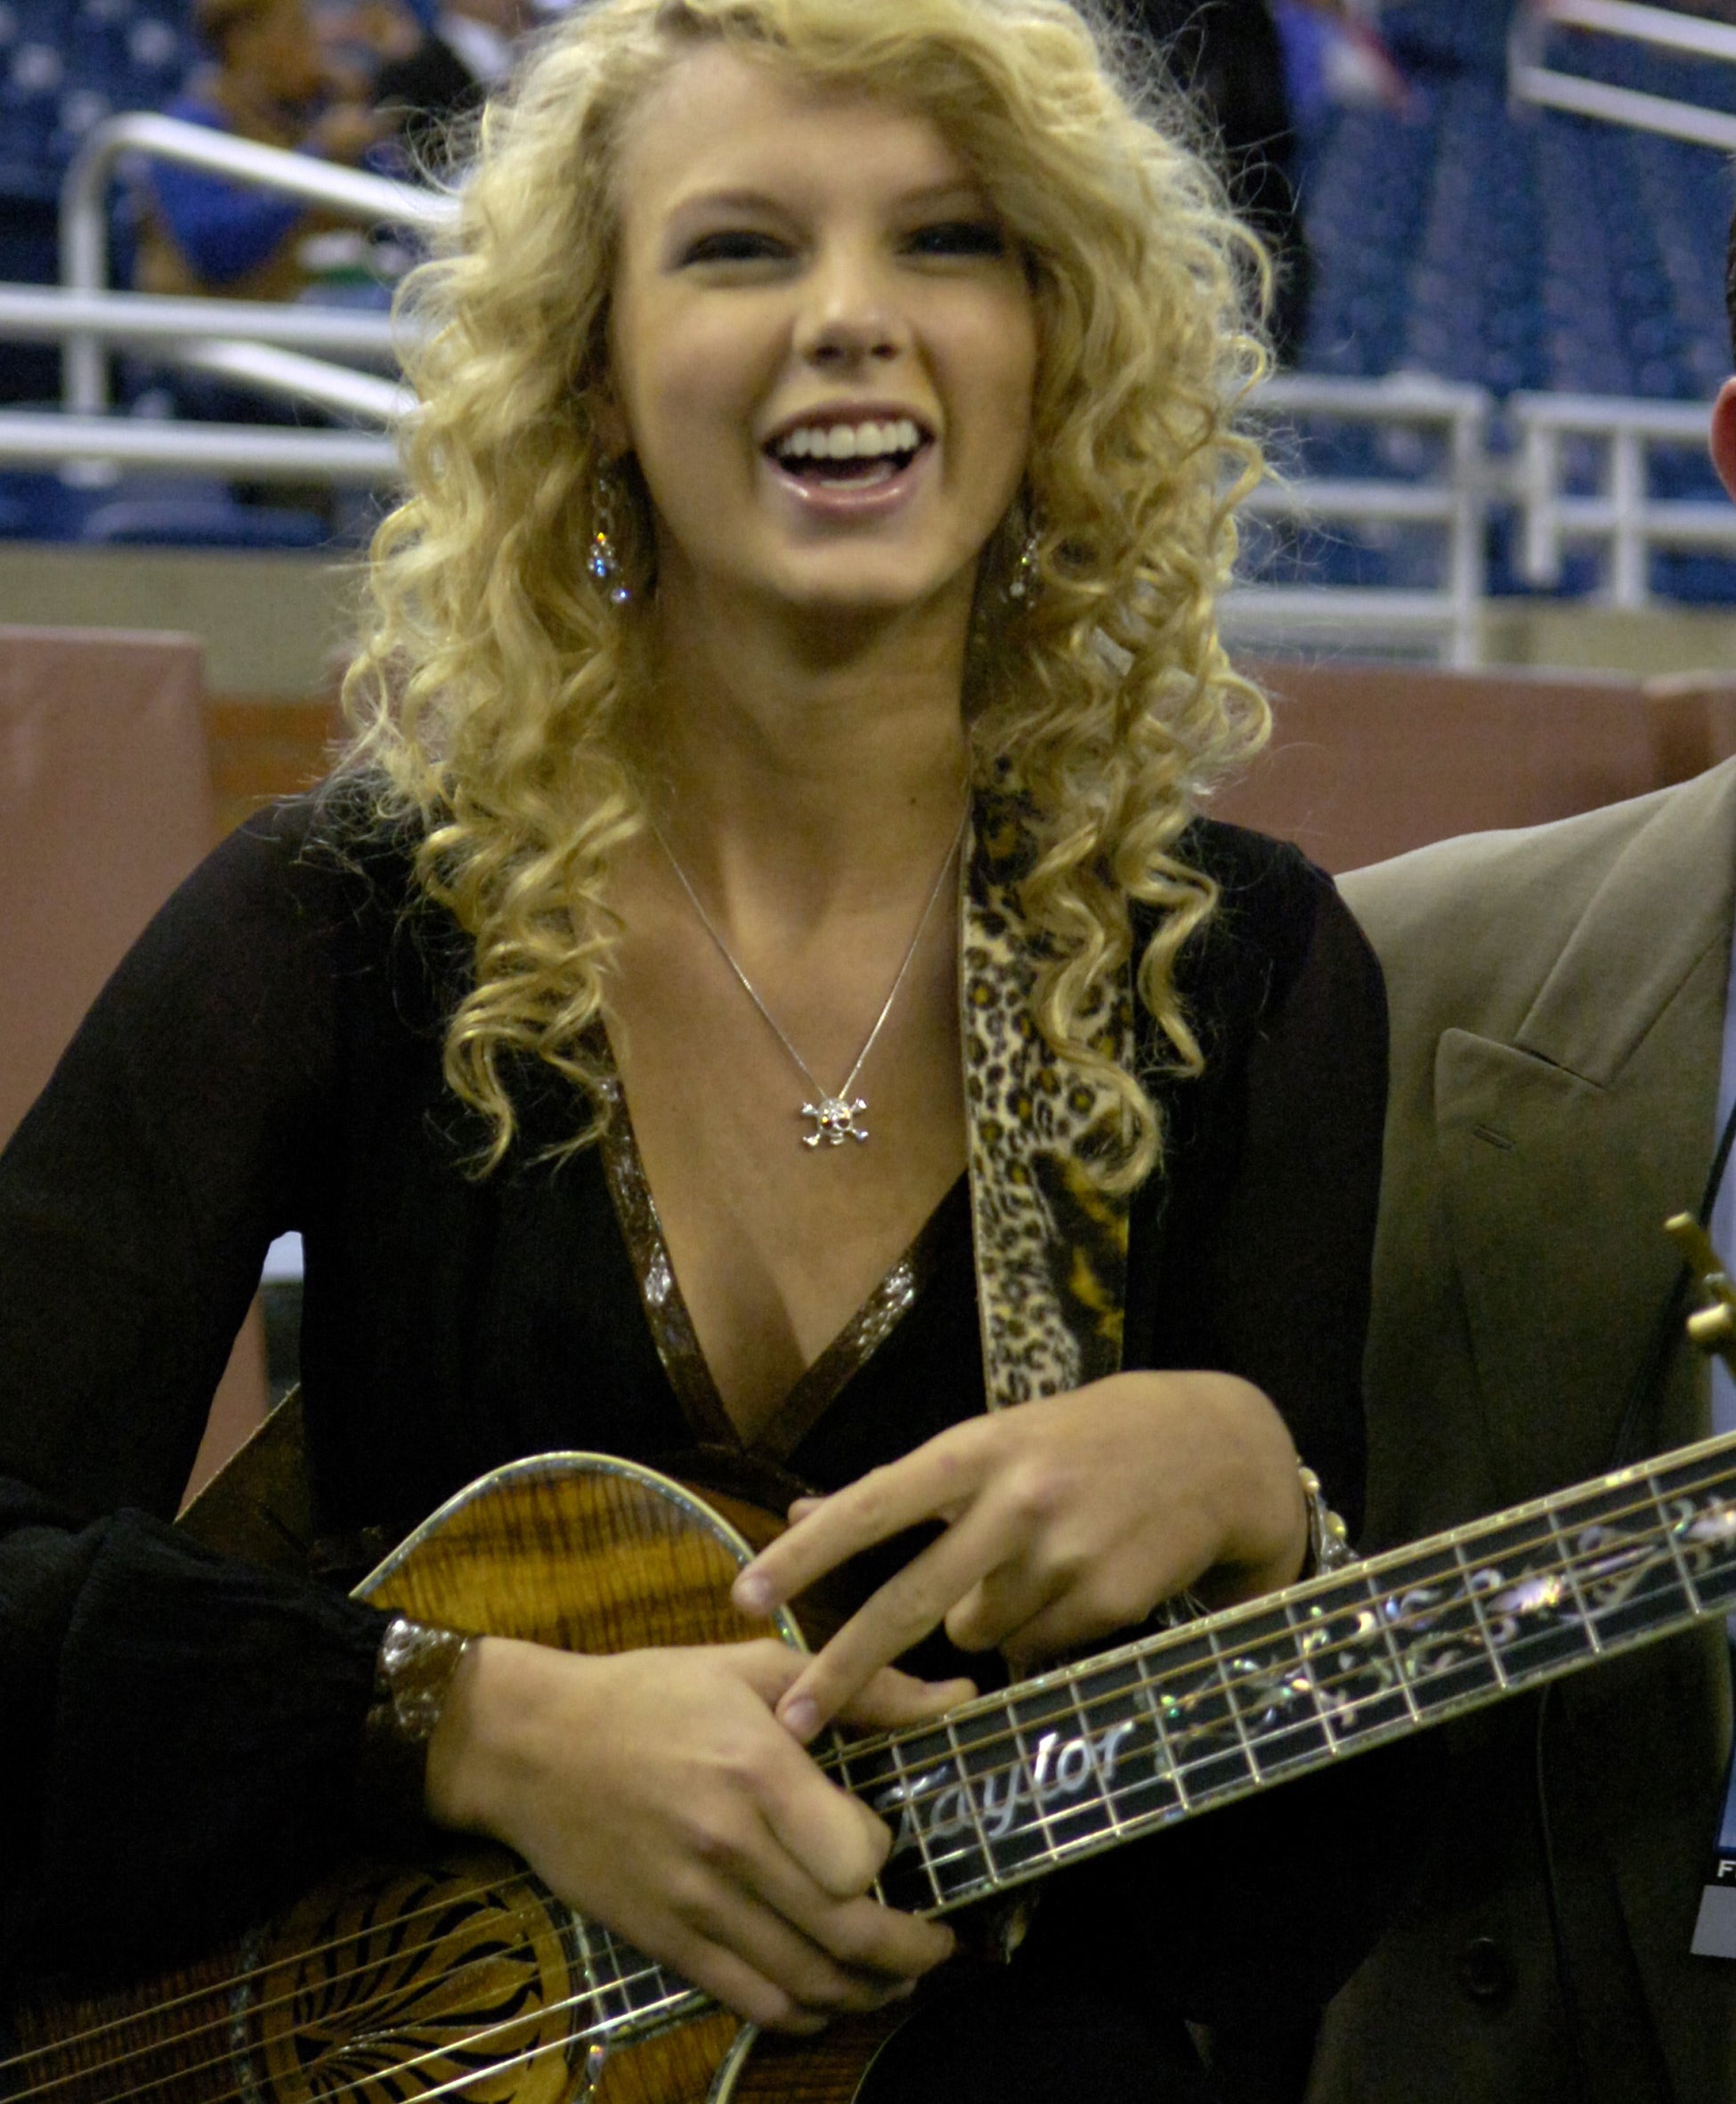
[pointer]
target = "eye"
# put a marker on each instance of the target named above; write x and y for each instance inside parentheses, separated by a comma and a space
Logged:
(733, 245)
(959, 237)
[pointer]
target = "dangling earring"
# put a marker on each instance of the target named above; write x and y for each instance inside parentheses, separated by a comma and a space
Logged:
(1025, 579)
(604, 563)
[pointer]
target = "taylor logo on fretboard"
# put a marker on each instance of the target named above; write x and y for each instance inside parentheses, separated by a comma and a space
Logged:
(468, 1978)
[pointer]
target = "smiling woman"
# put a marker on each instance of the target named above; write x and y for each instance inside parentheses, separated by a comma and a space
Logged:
(758, 996)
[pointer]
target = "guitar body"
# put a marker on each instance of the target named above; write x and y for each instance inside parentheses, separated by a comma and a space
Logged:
(464, 1978)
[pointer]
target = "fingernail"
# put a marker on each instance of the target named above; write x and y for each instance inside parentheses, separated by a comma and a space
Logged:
(800, 1719)
(752, 1593)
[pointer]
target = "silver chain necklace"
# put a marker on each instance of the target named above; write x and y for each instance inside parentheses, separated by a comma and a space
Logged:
(834, 1113)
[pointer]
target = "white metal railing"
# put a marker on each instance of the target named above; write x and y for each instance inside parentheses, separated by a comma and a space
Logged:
(1448, 617)
(231, 339)
(1529, 80)
(43, 439)
(1666, 27)
(38, 314)
(350, 193)
(263, 368)
(1624, 520)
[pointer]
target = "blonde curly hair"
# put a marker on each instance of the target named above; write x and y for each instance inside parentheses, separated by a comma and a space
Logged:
(496, 667)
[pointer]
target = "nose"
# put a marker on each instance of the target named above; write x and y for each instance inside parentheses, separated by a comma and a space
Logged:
(851, 314)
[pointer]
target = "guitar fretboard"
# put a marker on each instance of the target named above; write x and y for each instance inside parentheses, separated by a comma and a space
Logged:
(1085, 1757)
(1010, 1787)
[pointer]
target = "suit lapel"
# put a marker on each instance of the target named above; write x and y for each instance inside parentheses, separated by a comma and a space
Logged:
(1561, 1152)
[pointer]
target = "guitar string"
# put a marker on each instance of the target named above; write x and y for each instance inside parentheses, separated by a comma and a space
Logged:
(1598, 1554)
(448, 2049)
(512, 1885)
(622, 1983)
(1074, 1699)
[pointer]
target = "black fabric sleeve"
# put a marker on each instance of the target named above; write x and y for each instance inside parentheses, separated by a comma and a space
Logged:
(1285, 1272)
(177, 1735)
(1260, 1264)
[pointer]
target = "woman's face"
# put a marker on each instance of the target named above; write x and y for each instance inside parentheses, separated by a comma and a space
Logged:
(822, 348)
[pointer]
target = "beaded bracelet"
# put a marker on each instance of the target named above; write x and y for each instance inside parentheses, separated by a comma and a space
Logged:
(1328, 1538)
(413, 1671)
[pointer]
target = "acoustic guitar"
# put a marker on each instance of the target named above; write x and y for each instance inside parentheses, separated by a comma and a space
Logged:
(464, 1978)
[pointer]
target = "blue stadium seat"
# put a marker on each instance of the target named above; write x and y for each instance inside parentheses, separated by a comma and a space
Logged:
(200, 522)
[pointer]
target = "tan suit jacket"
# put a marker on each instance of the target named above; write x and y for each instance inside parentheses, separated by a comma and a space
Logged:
(1557, 1002)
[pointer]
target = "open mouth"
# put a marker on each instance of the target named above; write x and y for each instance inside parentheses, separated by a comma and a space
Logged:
(854, 456)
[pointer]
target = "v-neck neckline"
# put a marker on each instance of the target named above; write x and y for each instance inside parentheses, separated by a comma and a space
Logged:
(672, 1324)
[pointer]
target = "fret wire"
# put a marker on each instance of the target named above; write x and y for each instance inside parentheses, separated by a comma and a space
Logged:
(1154, 1709)
(1676, 1557)
(647, 1976)
(1491, 1649)
(1234, 1708)
(1143, 1692)
(1175, 1749)
(1587, 1619)
(1662, 1530)
(1321, 1715)
(916, 1825)
(952, 1853)
(1104, 1788)
(584, 1932)
(1023, 1763)
(1361, 1594)
(968, 1795)
(1401, 1678)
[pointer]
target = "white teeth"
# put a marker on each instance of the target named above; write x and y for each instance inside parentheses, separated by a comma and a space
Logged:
(849, 442)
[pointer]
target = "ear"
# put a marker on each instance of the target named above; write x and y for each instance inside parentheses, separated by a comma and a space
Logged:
(1724, 435)
(610, 419)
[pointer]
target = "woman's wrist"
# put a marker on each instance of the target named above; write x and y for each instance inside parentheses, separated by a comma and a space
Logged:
(464, 1762)
(1266, 1531)
(502, 1716)
(415, 1669)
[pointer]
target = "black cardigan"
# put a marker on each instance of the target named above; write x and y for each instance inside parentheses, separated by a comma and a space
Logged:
(178, 1736)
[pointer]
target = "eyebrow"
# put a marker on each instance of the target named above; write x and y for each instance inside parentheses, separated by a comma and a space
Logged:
(961, 187)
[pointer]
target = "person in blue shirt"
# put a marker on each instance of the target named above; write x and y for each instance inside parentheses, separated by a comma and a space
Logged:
(202, 233)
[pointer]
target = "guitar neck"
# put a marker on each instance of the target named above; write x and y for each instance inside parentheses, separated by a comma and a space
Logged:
(1088, 1756)
(1005, 1788)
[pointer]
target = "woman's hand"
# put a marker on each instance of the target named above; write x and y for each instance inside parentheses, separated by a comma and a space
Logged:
(1067, 1520)
(654, 1792)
